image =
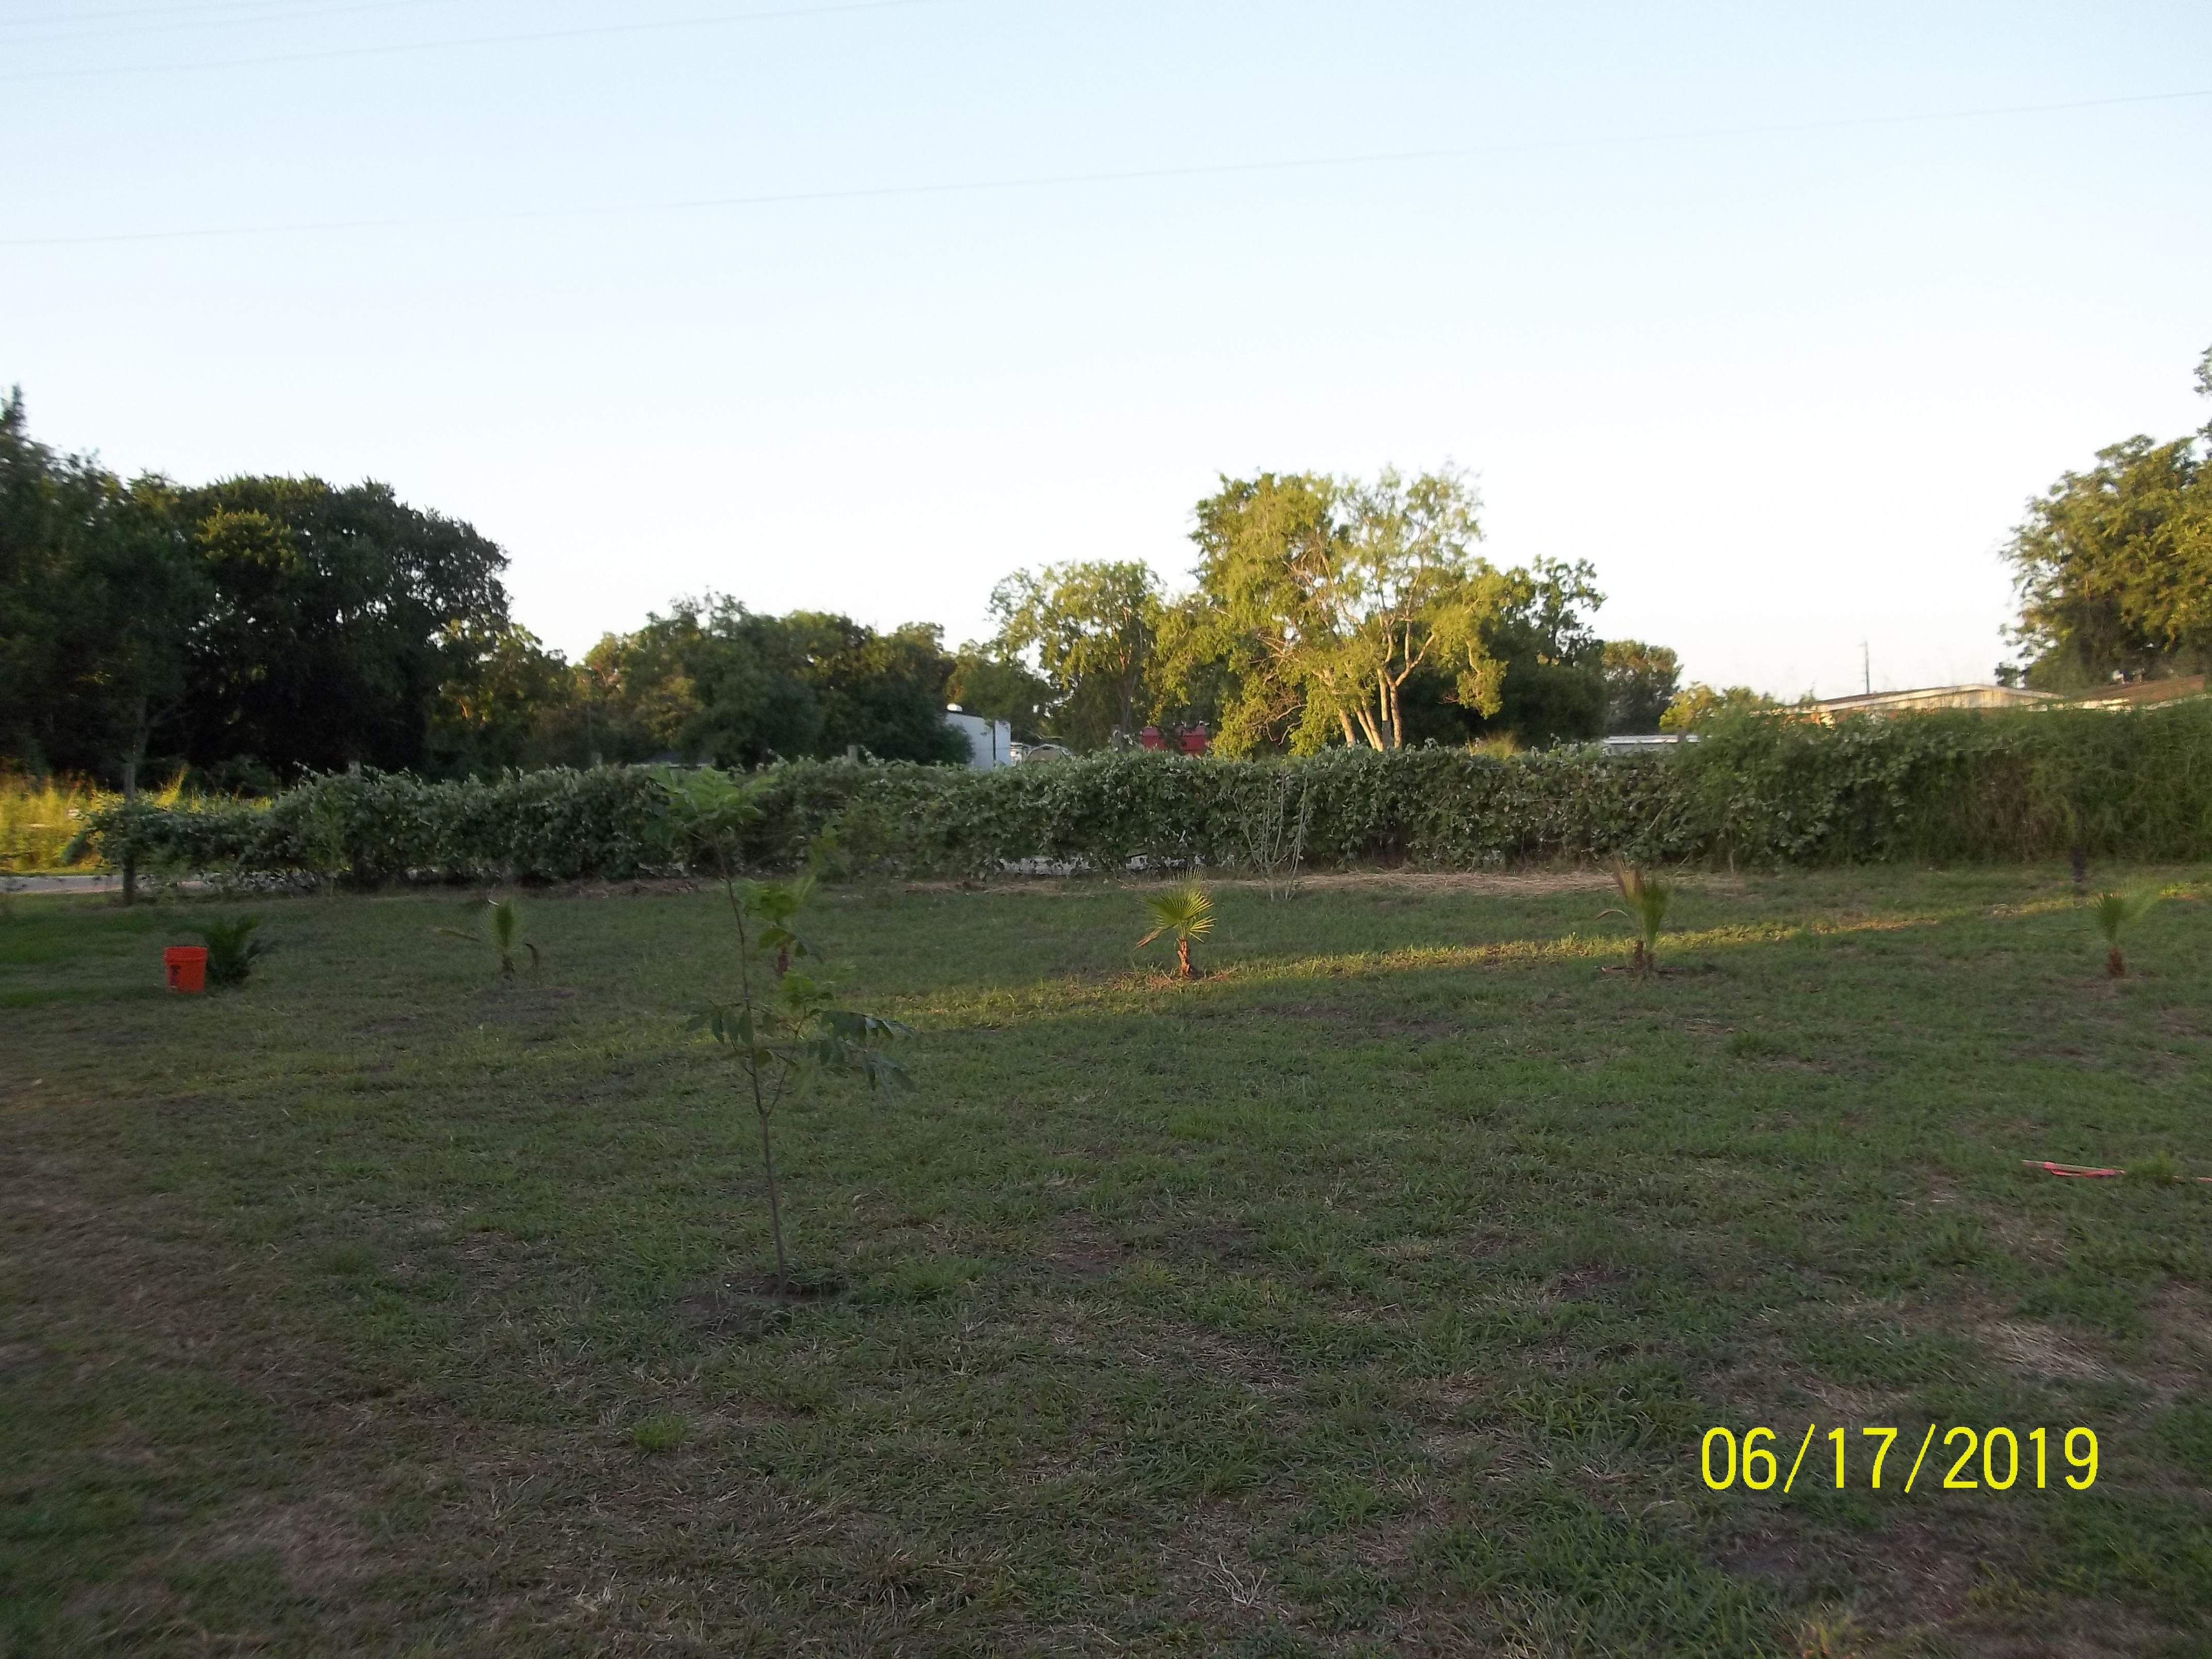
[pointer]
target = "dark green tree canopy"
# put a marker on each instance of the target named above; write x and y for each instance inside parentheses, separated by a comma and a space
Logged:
(1640, 682)
(713, 679)
(98, 592)
(337, 616)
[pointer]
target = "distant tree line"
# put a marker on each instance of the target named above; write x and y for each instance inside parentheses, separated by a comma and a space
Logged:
(264, 627)
(260, 629)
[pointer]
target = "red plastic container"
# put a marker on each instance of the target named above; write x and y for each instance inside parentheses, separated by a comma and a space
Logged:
(187, 966)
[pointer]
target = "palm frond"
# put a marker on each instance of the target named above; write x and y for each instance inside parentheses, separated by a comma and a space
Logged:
(1186, 911)
(2115, 913)
(232, 950)
(1647, 902)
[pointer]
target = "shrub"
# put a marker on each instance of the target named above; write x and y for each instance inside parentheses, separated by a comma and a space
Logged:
(1758, 790)
(232, 950)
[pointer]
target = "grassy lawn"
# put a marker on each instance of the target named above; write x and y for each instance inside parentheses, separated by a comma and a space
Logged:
(1373, 1294)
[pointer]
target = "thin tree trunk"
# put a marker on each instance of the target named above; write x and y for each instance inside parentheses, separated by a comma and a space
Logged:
(2115, 966)
(752, 1066)
(129, 843)
(775, 1207)
(1182, 958)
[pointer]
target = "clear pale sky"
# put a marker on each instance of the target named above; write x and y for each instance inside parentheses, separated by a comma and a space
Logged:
(1701, 298)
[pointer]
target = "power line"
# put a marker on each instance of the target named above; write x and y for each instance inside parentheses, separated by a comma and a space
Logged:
(581, 32)
(241, 13)
(1124, 175)
(238, 6)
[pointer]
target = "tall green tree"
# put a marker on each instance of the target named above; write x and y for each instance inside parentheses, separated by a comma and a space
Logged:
(881, 692)
(1697, 703)
(100, 593)
(337, 616)
(1322, 599)
(502, 701)
(1640, 680)
(986, 681)
(1552, 688)
(1089, 629)
(715, 680)
(2114, 565)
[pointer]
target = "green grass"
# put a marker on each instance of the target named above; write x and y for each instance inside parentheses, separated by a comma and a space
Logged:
(1371, 1294)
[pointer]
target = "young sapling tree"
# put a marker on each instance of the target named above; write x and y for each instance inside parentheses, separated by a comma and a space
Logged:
(1647, 907)
(505, 920)
(1188, 913)
(783, 1026)
(2115, 913)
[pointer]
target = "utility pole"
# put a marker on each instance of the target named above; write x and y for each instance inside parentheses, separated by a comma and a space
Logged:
(1866, 667)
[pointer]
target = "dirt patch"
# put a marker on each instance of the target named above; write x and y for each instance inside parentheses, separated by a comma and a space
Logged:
(520, 999)
(495, 1260)
(2039, 1351)
(745, 1309)
(16, 1356)
(317, 1549)
(1259, 1372)
(638, 887)
(1515, 883)
(1088, 1259)
(1410, 882)
(1586, 1284)
(1223, 1244)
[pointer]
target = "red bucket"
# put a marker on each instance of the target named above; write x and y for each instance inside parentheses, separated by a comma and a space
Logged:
(187, 966)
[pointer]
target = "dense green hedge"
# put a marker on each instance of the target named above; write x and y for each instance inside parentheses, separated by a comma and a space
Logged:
(1760, 791)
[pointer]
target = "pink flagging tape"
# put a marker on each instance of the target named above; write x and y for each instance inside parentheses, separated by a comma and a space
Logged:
(2069, 1168)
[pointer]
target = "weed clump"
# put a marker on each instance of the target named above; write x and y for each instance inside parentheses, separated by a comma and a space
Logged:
(663, 1432)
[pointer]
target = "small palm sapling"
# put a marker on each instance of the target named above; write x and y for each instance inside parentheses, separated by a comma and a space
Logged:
(505, 916)
(1647, 907)
(2115, 913)
(1188, 913)
(783, 1027)
(232, 950)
